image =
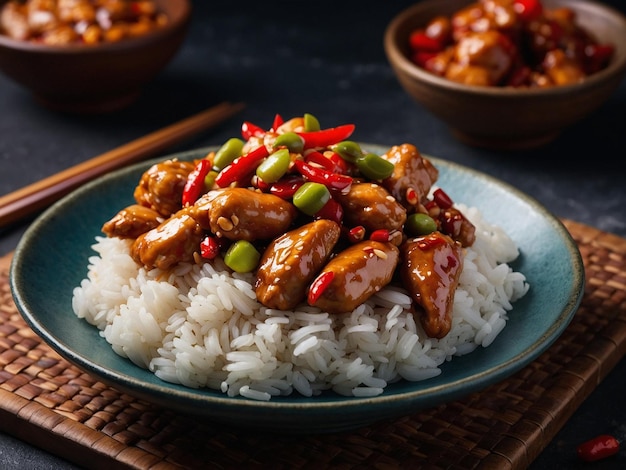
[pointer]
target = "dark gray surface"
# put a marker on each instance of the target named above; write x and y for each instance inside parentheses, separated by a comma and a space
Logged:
(326, 58)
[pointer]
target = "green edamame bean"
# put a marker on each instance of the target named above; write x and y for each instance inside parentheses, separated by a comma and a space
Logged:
(348, 150)
(242, 256)
(311, 124)
(274, 167)
(230, 150)
(209, 179)
(291, 141)
(311, 197)
(374, 167)
(420, 224)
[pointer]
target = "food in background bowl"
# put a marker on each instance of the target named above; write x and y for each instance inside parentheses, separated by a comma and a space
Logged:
(507, 117)
(295, 260)
(516, 43)
(103, 76)
(59, 22)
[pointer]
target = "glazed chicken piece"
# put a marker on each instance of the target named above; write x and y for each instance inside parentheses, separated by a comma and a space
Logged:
(483, 58)
(412, 176)
(232, 213)
(161, 186)
(371, 205)
(173, 241)
(430, 269)
(353, 276)
(132, 222)
(291, 261)
(562, 70)
(245, 214)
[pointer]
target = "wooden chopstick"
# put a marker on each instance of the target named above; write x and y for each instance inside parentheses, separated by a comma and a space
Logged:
(29, 199)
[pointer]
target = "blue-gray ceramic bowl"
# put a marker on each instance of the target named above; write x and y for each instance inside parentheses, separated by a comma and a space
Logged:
(52, 257)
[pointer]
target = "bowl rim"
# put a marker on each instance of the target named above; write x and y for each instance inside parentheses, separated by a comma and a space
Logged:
(176, 23)
(399, 60)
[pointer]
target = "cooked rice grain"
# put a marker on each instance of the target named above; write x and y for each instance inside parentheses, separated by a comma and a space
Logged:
(201, 326)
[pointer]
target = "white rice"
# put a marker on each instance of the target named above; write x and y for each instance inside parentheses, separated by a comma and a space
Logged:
(201, 326)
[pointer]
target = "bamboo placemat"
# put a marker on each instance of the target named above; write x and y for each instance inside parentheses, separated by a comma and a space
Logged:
(53, 405)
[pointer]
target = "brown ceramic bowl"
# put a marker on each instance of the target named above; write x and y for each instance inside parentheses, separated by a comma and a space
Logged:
(499, 117)
(95, 78)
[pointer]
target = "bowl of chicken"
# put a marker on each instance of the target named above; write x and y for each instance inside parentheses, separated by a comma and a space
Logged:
(89, 56)
(508, 73)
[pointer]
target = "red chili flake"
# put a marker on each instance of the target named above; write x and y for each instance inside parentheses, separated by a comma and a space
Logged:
(598, 448)
(356, 234)
(411, 196)
(209, 247)
(319, 285)
(380, 235)
(442, 199)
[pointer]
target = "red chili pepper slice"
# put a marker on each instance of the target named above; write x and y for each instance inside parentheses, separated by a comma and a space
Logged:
(420, 41)
(326, 137)
(318, 158)
(442, 199)
(319, 285)
(381, 235)
(195, 182)
(251, 130)
(320, 175)
(241, 167)
(209, 247)
(598, 56)
(528, 9)
(341, 165)
(422, 58)
(286, 187)
(356, 234)
(598, 448)
(278, 121)
(451, 223)
(332, 210)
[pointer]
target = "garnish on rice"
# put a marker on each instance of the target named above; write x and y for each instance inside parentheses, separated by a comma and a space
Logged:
(317, 218)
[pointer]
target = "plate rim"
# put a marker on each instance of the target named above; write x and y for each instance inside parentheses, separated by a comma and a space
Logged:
(164, 392)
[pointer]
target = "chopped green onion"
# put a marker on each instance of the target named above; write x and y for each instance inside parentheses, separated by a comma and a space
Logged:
(242, 257)
(311, 124)
(374, 167)
(274, 166)
(230, 150)
(291, 140)
(348, 150)
(420, 224)
(311, 197)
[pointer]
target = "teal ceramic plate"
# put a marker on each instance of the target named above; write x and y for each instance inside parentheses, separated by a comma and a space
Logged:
(52, 258)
